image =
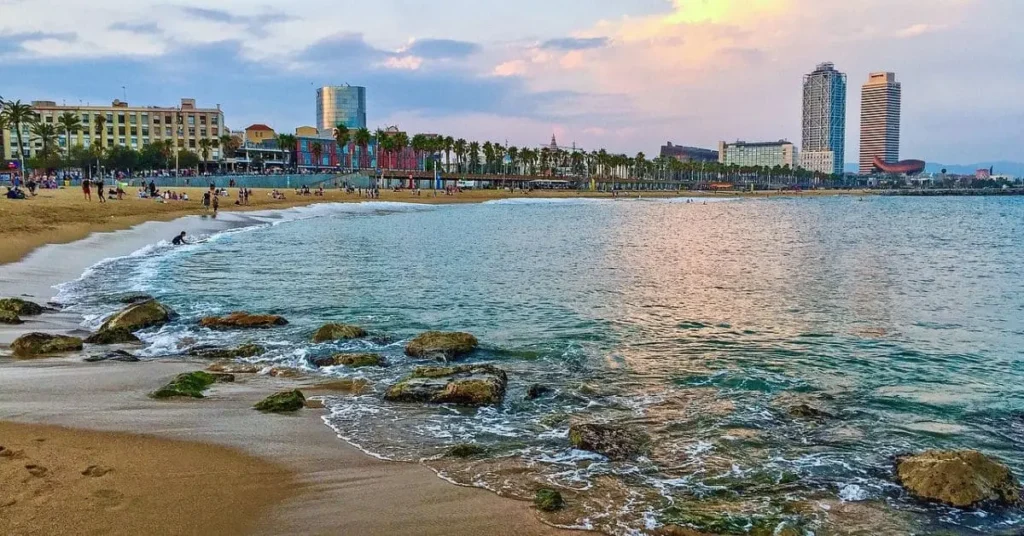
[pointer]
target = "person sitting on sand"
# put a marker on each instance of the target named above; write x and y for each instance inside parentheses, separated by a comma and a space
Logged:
(15, 193)
(179, 240)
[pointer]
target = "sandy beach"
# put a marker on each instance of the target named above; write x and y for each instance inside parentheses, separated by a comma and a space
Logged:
(84, 440)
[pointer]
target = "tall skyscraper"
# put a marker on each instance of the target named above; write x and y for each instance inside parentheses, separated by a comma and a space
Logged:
(824, 124)
(341, 104)
(879, 121)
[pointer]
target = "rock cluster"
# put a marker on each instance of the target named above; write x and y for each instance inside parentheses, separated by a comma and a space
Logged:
(20, 307)
(112, 336)
(469, 385)
(282, 402)
(350, 360)
(216, 352)
(614, 441)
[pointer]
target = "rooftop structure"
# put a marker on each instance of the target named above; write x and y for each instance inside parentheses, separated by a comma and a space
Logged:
(341, 104)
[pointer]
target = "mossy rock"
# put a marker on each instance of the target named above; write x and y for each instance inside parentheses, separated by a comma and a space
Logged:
(40, 344)
(9, 317)
(243, 320)
(232, 367)
(440, 345)
(338, 332)
(548, 500)
(963, 479)
(806, 411)
(238, 352)
(21, 307)
(351, 360)
(465, 450)
(190, 384)
(112, 336)
(282, 402)
(147, 314)
(474, 385)
(614, 441)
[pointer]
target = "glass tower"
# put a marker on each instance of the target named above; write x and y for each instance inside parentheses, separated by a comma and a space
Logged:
(824, 124)
(341, 104)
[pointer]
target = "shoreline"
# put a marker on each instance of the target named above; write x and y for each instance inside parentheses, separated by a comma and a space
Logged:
(61, 217)
(320, 484)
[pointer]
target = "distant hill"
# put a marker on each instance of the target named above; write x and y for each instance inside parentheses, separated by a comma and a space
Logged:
(1003, 167)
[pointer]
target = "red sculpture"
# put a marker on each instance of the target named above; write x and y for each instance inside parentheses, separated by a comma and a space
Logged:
(905, 167)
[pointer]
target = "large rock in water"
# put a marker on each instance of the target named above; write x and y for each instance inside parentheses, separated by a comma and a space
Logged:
(38, 344)
(191, 384)
(282, 402)
(615, 442)
(112, 336)
(141, 315)
(20, 307)
(338, 332)
(962, 478)
(472, 385)
(441, 345)
(242, 320)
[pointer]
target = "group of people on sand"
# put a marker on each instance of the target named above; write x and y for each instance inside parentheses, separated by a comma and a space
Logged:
(243, 196)
(97, 183)
(276, 194)
(304, 190)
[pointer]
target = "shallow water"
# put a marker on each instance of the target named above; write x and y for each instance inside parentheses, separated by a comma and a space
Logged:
(699, 323)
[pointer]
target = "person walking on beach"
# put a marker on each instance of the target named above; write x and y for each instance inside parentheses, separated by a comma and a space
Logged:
(216, 204)
(206, 200)
(87, 189)
(99, 190)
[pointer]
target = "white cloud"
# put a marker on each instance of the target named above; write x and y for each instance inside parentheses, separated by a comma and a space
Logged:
(408, 63)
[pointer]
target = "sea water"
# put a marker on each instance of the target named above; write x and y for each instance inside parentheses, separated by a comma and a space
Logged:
(702, 324)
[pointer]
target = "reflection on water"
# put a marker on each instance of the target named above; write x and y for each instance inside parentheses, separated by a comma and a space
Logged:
(779, 352)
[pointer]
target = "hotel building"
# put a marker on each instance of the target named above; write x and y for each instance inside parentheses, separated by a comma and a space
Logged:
(879, 121)
(824, 120)
(688, 154)
(341, 104)
(767, 154)
(125, 125)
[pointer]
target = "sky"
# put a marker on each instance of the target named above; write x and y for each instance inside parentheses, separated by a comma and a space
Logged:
(625, 75)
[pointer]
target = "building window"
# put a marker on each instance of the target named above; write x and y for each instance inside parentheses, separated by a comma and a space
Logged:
(192, 143)
(145, 131)
(202, 120)
(202, 133)
(85, 117)
(120, 141)
(133, 119)
(145, 118)
(168, 120)
(191, 131)
(110, 118)
(110, 131)
(214, 120)
(120, 130)
(156, 119)
(191, 120)
(120, 118)
(214, 131)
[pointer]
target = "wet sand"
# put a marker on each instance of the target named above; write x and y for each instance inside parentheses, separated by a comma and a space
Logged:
(234, 470)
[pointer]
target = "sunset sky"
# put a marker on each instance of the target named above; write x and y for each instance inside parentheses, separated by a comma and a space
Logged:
(627, 75)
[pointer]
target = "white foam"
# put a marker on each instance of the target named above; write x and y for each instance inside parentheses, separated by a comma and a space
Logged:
(853, 493)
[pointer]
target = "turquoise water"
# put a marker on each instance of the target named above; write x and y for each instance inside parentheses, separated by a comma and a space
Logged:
(701, 324)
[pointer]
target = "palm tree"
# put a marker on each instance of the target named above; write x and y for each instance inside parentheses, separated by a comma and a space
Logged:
(69, 122)
(362, 138)
(227, 144)
(205, 145)
(513, 156)
(474, 156)
(400, 141)
(286, 142)
(17, 114)
(448, 144)
(342, 136)
(460, 151)
(317, 150)
(46, 133)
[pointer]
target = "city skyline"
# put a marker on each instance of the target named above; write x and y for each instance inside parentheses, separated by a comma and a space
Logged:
(585, 77)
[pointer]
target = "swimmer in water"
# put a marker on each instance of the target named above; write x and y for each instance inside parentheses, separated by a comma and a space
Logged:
(179, 240)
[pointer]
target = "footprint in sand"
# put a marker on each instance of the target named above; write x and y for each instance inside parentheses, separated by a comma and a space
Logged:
(109, 498)
(10, 454)
(96, 470)
(37, 471)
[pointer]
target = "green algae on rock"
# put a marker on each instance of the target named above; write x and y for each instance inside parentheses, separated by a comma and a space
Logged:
(41, 344)
(9, 317)
(112, 336)
(190, 384)
(243, 320)
(285, 401)
(440, 345)
(350, 360)
(338, 332)
(21, 307)
(962, 478)
(548, 500)
(472, 385)
(142, 315)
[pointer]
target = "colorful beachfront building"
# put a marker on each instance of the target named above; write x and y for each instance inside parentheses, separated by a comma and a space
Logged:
(351, 156)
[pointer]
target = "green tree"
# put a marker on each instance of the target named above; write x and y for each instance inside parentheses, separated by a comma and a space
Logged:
(69, 123)
(205, 146)
(17, 114)
(287, 143)
(187, 159)
(47, 134)
(474, 157)
(228, 145)
(460, 147)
